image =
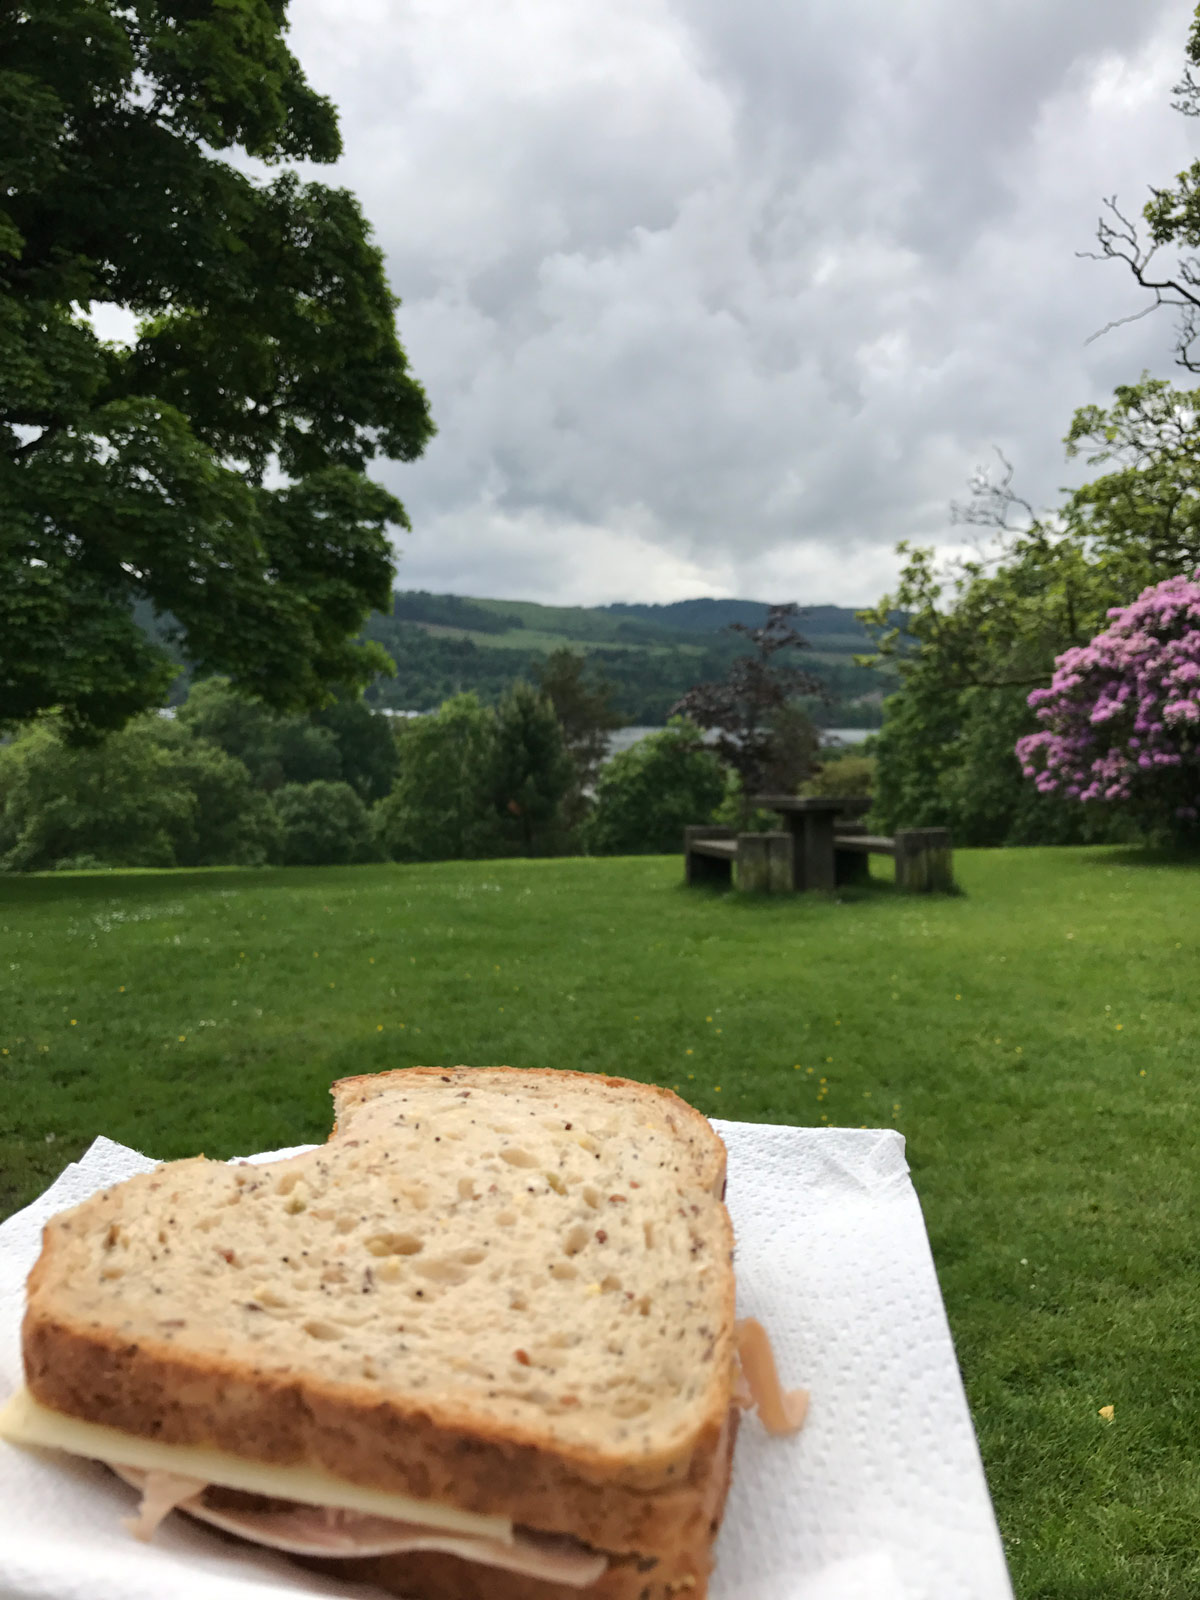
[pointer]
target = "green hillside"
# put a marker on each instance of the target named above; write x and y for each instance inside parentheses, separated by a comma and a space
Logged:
(444, 644)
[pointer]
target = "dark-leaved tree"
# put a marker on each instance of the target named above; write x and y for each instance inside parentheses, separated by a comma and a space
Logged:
(266, 343)
(759, 732)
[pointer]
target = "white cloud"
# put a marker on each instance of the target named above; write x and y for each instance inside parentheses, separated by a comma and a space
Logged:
(728, 298)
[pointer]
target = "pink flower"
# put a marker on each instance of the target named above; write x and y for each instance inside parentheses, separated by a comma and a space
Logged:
(1118, 720)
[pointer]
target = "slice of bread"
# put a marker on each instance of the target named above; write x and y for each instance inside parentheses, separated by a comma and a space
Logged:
(509, 1291)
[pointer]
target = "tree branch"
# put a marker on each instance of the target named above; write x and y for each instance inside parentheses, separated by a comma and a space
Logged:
(1121, 242)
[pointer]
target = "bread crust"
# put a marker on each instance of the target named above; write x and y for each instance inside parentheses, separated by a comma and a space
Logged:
(420, 1448)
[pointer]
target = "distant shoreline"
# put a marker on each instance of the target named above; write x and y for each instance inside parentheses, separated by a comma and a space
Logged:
(623, 738)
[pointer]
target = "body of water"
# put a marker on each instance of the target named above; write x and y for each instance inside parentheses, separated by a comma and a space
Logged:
(624, 737)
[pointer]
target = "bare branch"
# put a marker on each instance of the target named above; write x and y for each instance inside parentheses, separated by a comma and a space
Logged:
(1120, 322)
(991, 504)
(1121, 241)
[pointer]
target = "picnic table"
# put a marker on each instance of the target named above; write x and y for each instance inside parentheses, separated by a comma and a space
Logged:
(811, 823)
(821, 846)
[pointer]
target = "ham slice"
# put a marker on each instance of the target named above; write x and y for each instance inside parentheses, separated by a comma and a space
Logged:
(161, 1493)
(327, 1531)
(780, 1410)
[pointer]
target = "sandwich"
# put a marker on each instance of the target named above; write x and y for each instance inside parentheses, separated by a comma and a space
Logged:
(480, 1344)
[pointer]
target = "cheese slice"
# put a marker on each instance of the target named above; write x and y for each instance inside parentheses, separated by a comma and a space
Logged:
(24, 1421)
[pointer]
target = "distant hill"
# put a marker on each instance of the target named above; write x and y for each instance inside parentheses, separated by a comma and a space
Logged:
(820, 625)
(827, 628)
(652, 654)
(445, 644)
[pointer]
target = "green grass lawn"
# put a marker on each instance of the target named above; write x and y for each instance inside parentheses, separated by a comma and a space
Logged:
(1034, 1039)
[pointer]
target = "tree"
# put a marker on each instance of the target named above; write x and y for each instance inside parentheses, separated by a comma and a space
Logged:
(647, 795)
(148, 796)
(365, 744)
(793, 749)
(532, 771)
(441, 806)
(322, 824)
(230, 824)
(586, 717)
(345, 740)
(751, 707)
(972, 638)
(266, 343)
(1120, 722)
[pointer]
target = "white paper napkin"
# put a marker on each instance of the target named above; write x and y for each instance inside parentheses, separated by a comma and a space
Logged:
(881, 1497)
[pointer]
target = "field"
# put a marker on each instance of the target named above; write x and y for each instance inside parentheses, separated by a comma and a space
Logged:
(531, 640)
(1034, 1039)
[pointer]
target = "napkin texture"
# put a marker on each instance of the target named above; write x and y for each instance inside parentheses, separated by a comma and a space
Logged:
(881, 1497)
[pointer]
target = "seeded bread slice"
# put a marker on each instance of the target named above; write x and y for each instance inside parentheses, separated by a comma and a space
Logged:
(508, 1290)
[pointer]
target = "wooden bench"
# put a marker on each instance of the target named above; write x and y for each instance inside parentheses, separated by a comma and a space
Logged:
(923, 856)
(835, 854)
(754, 862)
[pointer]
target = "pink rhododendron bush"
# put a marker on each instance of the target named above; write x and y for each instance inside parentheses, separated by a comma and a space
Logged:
(1121, 718)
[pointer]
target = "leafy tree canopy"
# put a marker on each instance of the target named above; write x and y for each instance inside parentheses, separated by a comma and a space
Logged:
(586, 716)
(532, 769)
(266, 353)
(322, 824)
(647, 795)
(344, 740)
(150, 795)
(441, 806)
(981, 633)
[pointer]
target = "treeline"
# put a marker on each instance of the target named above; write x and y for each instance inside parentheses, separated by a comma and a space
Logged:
(451, 611)
(984, 634)
(646, 683)
(224, 781)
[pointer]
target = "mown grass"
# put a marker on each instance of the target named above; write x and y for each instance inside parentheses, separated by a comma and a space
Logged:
(1034, 1039)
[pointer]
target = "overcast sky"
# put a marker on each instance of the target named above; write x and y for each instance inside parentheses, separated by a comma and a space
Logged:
(727, 296)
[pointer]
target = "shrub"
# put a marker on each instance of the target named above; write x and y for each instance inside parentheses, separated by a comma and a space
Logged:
(322, 824)
(647, 795)
(735, 810)
(1121, 718)
(124, 802)
(843, 773)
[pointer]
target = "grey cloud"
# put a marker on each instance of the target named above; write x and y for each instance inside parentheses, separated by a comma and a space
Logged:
(729, 297)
